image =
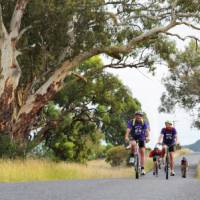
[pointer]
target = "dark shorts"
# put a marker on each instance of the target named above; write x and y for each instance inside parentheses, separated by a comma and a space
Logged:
(154, 159)
(172, 148)
(141, 143)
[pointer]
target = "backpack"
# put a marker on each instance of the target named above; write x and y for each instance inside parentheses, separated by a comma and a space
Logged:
(133, 123)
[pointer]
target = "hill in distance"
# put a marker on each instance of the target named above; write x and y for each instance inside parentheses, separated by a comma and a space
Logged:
(195, 146)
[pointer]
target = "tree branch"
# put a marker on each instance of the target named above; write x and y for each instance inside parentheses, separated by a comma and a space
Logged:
(18, 13)
(71, 35)
(23, 31)
(130, 65)
(79, 76)
(3, 32)
(55, 82)
(189, 25)
(183, 38)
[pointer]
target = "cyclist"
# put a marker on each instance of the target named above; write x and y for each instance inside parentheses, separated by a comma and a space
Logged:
(184, 166)
(138, 129)
(156, 152)
(168, 137)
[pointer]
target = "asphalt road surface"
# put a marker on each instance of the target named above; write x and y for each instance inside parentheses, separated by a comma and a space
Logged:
(147, 188)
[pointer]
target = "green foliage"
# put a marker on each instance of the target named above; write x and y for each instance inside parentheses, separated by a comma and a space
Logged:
(52, 112)
(89, 112)
(183, 83)
(117, 156)
(7, 148)
(94, 24)
(103, 104)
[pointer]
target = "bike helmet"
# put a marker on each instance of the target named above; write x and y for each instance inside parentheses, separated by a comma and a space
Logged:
(184, 159)
(139, 113)
(168, 122)
(156, 148)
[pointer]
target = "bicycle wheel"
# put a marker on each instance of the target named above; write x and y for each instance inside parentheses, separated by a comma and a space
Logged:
(137, 167)
(167, 166)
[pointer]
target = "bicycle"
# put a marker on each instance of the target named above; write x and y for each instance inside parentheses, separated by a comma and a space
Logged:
(157, 164)
(167, 163)
(136, 163)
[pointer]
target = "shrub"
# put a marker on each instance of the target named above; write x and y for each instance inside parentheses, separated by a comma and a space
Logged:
(117, 156)
(7, 148)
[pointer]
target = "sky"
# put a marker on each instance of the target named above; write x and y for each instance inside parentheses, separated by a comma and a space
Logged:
(148, 90)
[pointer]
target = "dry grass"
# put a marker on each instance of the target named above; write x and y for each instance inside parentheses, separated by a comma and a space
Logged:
(41, 170)
(198, 171)
(182, 152)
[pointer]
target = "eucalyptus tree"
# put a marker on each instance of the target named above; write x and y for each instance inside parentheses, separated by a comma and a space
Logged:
(42, 41)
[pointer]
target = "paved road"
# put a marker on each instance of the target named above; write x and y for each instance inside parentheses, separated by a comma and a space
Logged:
(147, 188)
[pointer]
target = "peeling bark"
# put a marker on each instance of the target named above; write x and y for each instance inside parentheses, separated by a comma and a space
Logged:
(6, 107)
(20, 130)
(10, 72)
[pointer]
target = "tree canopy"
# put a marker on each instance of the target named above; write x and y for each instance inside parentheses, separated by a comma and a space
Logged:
(43, 41)
(87, 112)
(183, 83)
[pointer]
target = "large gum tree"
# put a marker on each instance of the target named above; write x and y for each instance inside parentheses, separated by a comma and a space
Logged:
(42, 41)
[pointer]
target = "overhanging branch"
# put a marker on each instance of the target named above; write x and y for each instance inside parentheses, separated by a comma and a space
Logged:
(55, 82)
(183, 38)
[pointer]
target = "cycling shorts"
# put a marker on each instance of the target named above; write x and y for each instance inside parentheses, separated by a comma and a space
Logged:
(141, 143)
(172, 148)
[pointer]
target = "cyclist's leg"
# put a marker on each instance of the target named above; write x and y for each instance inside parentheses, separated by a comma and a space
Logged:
(154, 165)
(142, 153)
(182, 170)
(171, 156)
(133, 146)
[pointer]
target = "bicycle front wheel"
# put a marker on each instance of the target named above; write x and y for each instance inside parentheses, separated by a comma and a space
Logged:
(137, 167)
(167, 167)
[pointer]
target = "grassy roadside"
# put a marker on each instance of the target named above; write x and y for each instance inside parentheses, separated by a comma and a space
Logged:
(182, 152)
(42, 170)
(198, 171)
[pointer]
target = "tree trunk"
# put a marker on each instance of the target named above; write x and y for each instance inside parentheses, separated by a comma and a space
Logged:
(10, 74)
(10, 71)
